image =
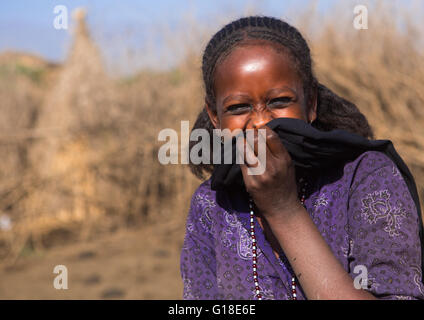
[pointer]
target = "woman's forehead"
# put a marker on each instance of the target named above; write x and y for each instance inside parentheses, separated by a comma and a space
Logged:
(249, 64)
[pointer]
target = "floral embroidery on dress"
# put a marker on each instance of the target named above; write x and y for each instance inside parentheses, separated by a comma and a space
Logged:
(204, 201)
(322, 200)
(372, 283)
(244, 243)
(187, 289)
(266, 294)
(403, 297)
(418, 278)
(377, 206)
(395, 171)
(226, 237)
(205, 218)
(190, 227)
(347, 250)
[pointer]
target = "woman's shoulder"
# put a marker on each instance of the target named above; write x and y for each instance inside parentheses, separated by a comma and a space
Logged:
(204, 211)
(368, 172)
(350, 174)
(204, 191)
(374, 163)
(203, 197)
(369, 161)
(372, 155)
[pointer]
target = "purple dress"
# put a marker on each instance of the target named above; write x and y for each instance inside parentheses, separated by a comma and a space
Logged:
(363, 209)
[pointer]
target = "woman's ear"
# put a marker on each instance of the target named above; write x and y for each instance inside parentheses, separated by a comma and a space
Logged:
(213, 116)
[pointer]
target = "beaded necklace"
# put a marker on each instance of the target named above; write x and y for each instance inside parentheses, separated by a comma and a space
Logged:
(254, 246)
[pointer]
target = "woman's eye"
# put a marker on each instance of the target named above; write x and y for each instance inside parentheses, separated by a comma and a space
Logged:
(238, 107)
(282, 101)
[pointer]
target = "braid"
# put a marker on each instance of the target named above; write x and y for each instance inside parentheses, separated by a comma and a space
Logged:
(333, 112)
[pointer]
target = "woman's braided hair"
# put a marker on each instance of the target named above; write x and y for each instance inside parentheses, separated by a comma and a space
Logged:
(333, 112)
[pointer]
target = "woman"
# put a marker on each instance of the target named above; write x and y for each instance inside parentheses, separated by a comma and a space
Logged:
(294, 232)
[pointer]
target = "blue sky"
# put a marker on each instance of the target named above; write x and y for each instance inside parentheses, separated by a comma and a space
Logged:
(27, 25)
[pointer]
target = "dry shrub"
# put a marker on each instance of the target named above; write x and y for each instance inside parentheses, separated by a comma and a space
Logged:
(93, 163)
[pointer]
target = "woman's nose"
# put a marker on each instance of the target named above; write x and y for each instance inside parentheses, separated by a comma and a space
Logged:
(260, 118)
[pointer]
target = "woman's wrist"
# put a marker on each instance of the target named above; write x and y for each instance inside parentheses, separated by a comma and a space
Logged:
(286, 217)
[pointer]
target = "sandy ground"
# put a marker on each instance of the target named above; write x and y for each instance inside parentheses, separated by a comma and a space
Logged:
(129, 264)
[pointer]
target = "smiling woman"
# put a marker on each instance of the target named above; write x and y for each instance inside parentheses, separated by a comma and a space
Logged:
(296, 232)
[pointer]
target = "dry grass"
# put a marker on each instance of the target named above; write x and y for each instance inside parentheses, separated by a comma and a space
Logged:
(81, 148)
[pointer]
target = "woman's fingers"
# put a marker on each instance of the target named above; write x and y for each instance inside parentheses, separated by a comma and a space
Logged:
(267, 136)
(246, 153)
(259, 145)
(273, 142)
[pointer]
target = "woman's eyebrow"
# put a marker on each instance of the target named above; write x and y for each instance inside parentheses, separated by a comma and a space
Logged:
(281, 89)
(233, 96)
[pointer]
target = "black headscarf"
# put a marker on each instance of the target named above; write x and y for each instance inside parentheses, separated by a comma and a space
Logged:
(311, 148)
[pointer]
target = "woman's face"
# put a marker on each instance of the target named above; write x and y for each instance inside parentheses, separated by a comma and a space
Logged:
(255, 84)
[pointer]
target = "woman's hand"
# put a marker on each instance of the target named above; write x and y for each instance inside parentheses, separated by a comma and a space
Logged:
(274, 191)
